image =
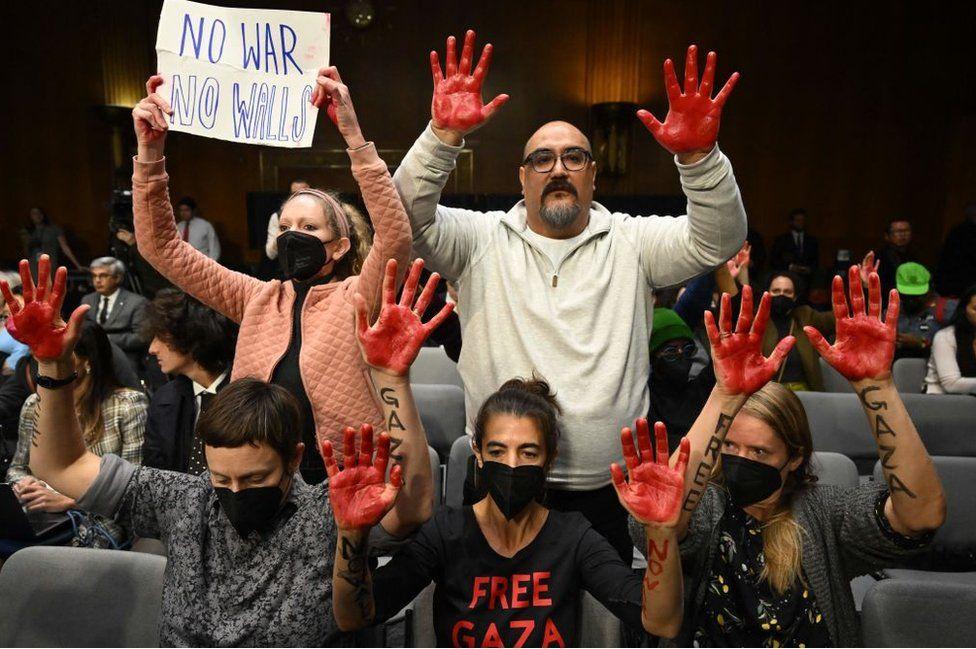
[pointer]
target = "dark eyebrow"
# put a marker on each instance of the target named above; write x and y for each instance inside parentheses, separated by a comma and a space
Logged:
(498, 444)
(530, 446)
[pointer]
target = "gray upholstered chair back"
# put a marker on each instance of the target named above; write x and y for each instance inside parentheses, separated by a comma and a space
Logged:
(434, 366)
(909, 374)
(457, 468)
(915, 613)
(834, 469)
(833, 380)
(77, 597)
(442, 413)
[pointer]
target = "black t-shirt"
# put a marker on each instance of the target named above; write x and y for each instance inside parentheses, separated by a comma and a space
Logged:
(531, 599)
(288, 375)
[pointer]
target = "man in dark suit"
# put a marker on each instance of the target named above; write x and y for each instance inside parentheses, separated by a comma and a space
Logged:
(195, 345)
(795, 250)
(119, 312)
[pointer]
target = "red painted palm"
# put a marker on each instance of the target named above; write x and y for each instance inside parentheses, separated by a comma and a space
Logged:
(359, 493)
(457, 103)
(865, 345)
(740, 367)
(693, 116)
(652, 491)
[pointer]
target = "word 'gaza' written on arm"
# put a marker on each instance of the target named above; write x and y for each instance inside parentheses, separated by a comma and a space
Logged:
(882, 430)
(393, 423)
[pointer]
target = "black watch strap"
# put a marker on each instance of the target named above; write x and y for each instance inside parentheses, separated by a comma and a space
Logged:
(49, 383)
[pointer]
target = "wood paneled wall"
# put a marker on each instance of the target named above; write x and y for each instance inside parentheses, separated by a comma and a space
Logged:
(857, 111)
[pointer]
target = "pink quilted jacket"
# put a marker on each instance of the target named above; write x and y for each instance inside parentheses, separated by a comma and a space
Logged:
(335, 377)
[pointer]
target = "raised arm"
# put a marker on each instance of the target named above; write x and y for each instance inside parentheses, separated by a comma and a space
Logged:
(446, 237)
(713, 231)
(740, 370)
(863, 353)
(652, 494)
(159, 242)
(389, 347)
(59, 456)
(392, 228)
(360, 497)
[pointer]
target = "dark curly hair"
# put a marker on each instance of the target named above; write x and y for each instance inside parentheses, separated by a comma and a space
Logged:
(190, 328)
(523, 398)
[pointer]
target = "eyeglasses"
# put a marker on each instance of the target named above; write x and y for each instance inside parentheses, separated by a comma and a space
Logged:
(673, 353)
(544, 160)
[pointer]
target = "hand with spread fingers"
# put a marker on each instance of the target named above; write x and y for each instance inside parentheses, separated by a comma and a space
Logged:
(38, 322)
(865, 345)
(691, 125)
(740, 262)
(652, 493)
(359, 493)
(392, 343)
(740, 367)
(457, 106)
(869, 265)
(333, 94)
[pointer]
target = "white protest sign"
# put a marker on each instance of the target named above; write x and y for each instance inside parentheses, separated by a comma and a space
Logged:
(244, 75)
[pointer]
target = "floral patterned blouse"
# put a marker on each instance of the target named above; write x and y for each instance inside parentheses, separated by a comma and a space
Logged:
(742, 610)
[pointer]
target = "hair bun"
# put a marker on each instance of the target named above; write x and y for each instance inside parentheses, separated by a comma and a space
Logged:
(536, 386)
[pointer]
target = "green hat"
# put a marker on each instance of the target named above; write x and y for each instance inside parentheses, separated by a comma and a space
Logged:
(668, 325)
(912, 279)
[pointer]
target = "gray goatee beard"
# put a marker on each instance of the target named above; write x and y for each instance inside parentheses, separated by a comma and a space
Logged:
(559, 216)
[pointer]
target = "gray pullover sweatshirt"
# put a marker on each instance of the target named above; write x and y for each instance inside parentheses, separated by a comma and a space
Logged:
(579, 315)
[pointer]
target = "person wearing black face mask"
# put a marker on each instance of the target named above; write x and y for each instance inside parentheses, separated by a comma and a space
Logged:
(509, 570)
(297, 333)
(801, 371)
(768, 552)
(676, 400)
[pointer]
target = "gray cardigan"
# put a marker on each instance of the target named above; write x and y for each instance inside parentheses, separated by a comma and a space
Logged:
(841, 540)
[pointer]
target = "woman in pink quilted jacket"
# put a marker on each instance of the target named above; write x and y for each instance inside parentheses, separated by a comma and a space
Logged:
(298, 333)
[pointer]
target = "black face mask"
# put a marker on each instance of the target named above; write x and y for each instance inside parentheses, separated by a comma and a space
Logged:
(671, 374)
(512, 488)
(749, 482)
(300, 255)
(252, 509)
(781, 305)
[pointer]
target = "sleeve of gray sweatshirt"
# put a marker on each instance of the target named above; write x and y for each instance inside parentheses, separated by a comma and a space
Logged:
(446, 238)
(675, 249)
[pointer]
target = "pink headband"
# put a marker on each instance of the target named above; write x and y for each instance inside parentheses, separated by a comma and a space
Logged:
(340, 213)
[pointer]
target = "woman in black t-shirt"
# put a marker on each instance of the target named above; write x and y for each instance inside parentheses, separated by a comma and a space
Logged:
(509, 571)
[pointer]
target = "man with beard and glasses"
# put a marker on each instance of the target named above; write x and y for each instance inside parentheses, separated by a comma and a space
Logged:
(559, 285)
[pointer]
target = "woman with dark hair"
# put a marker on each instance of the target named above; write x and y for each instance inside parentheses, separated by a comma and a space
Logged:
(801, 371)
(296, 333)
(41, 237)
(194, 345)
(113, 419)
(509, 570)
(952, 364)
(768, 555)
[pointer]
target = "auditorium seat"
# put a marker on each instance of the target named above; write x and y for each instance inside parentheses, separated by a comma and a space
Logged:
(150, 546)
(434, 366)
(946, 424)
(441, 410)
(955, 543)
(78, 597)
(457, 469)
(912, 613)
(833, 380)
(909, 374)
(437, 473)
(834, 469)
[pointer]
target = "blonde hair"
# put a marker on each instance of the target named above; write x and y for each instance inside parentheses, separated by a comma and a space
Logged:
(350, 224)
(781, 410)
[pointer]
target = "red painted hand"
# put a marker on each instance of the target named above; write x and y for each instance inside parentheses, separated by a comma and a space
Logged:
(740, 261)
(868, 265)
(693, 116)
(740, 367)
(391, 345)
(653, 493)
(457, 104)
(865, 345)
(359, 492)
(38, 323)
